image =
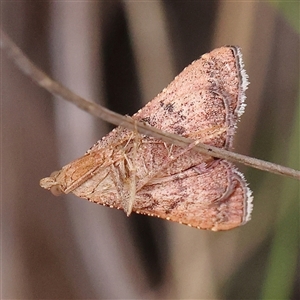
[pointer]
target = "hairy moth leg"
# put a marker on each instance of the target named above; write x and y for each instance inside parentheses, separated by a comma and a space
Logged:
(128, 205)
(123, 172)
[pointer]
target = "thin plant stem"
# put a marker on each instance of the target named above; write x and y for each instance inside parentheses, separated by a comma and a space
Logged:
(55, 88)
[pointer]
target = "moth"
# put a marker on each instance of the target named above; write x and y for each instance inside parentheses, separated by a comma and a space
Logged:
(137, 173)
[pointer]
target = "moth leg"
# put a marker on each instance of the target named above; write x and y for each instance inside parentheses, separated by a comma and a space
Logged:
(170, 150)
(129, 202)
(213, 132)
(118, 182)
(124, 173)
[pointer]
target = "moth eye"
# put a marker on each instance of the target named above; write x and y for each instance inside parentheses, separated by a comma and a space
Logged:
(56, 190)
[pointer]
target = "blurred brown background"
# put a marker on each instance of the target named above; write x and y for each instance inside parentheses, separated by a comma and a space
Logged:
(121, 54)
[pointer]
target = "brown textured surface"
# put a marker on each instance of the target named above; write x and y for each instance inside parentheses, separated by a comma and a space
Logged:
(203, 102)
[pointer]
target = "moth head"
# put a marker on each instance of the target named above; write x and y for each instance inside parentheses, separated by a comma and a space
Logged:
(50, 183)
